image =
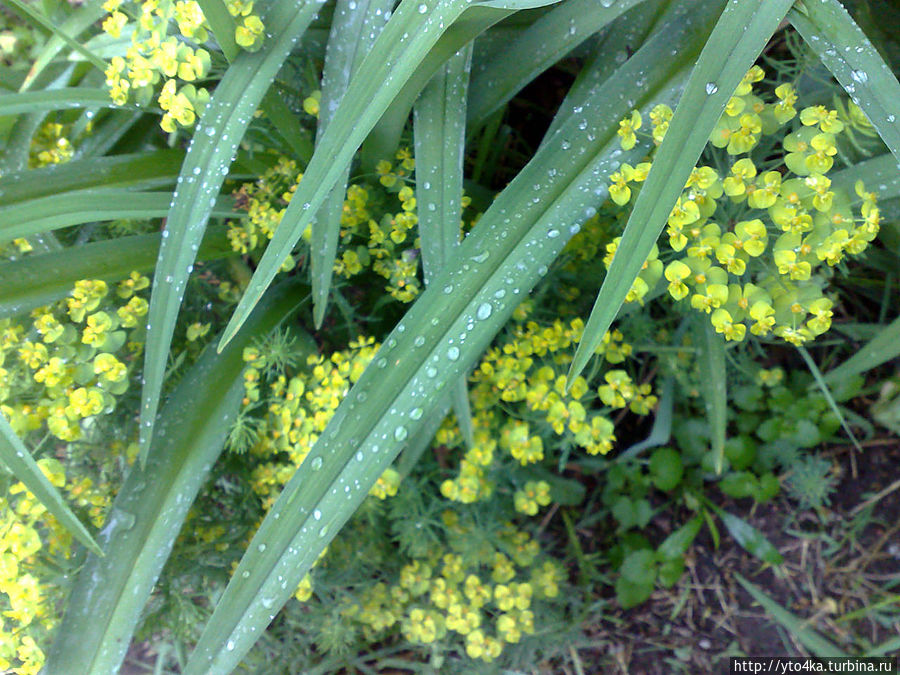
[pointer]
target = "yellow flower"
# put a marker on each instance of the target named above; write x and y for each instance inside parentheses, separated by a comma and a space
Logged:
(627, 127)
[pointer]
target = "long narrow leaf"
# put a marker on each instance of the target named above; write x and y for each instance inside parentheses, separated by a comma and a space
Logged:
(90, 206)
(18, 459)
(826, 392)
(569, 24)
(354, 28)
(880, 349)
(713, 385)
(740, 35)
(54, 99)
(439, 125)
(809, 638)
(212, 150)
(846, 51)
(146, 169)
(150, 508)
(441, 336)
(41, 20)
(751, 540)
(38, 280)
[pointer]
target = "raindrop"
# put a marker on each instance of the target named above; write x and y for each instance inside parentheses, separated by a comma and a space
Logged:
(381, 363)
(860, 76)
(483, 311)
(261, 548)
(400, 433)
(415, 414)
(317, 514)
(448, 289)
(481, 257)
(316, 464)
(423, 8)
(553, 234)
(711, 88)
(453, 353)
(323, 531)
(431, 371)
(359, 456)
(230, 646)
(419, 341)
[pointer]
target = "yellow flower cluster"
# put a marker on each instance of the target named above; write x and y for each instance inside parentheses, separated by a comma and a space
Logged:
(756, 245)
(31, 543)
(485, 594)
(71, 363)
(155, 55)
(50, 146)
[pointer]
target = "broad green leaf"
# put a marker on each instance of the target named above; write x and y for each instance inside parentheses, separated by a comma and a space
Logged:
(146, 169)
(212, 150)
(880, 349)
(826, 392)
(740, 35)
(713, 383)
(54, 99)
(90, 206)
(38, 280)
(110, 592)
(751, 540)
(354, 28)
(515, 65)
(677, 543)
(846, 51)
(440, 337)
(439, 126)
(19, 461)
(796, 626)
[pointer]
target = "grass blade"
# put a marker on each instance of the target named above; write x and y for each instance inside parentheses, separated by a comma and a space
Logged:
(826, 392)
(146, 169)
(714, 385)
(439, 124)
(402, 45)
(90, 206)
(212, 150)
(38, 280)
(19, 461)
(517, 64)
(222, 26)
(149, 510)
(354, 29)
(880, 349)
(740, 35)
(42, 21)
(55, 99)
(751, 540)
(531, 220)
(792, 623)
(880, 173)
(846, 51)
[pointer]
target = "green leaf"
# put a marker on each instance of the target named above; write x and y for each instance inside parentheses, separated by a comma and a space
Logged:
(109, 595)
(388, 405)
(90, 206)
(222, 24)
(17, 459)
(798, 627)
(713, 380)
(631, 595)
(739, 36)
(846, 51)
(146, 169)
(879, 173)
(439, 123)
(55, 99)
(37, 280)
(354, 29)
(515, 65)
(678, 543)
(751, 540)
(639, 567)
(882, 348)
(215, 141)
(666, 468)
(41, 20)
(826, 392)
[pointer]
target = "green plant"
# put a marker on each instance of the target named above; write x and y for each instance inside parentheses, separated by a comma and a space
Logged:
(221, 74)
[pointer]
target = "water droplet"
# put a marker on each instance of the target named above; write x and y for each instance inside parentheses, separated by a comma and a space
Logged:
(448, 289)
(261, 548)
(481, 257)
(245, 574)
(553, 234)
(431, 371)
(500, 293)
(359, 456)
(400, 434)
(381, 363)
(323, 531)
(419, 341)
(453, 353)
(415, 414)
(317, 514)
(711, 88)
(423, 8)
(316, 464)
(484, 311)
(860, 76)
(230, 646)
